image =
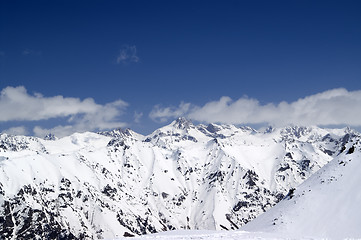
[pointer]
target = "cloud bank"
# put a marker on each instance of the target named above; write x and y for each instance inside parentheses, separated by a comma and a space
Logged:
(81, 115)
(333, 107)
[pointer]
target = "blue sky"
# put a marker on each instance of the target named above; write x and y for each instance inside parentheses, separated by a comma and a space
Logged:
(146, 62)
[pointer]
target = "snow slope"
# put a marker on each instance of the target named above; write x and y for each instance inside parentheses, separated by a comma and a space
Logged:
(327, 205)
(207, 234)
(182, 176)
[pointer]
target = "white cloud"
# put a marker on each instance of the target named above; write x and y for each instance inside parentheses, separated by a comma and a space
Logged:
(333, 107)
(128, 54)
(58, 131)
(82, 115)
(137, 116)
(17, 104)
(21, 130)
(160, 114)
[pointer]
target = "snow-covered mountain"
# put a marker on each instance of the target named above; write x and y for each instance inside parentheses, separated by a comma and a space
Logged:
(327, 205)
(182, 176)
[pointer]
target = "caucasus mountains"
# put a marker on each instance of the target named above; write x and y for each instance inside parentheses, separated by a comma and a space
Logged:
(182, 176)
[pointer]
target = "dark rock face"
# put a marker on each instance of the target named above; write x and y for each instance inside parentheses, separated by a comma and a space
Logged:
(351, 150)
(24, 222)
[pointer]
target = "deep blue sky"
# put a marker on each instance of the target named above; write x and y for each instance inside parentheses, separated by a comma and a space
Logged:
(191, 51)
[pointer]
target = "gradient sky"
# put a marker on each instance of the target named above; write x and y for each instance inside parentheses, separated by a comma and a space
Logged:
(164, 59)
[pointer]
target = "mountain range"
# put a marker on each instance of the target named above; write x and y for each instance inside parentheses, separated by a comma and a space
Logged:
(120, 183)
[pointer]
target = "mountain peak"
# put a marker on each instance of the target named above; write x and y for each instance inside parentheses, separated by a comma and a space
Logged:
(50, 137)
(118, 132)
(182, 123)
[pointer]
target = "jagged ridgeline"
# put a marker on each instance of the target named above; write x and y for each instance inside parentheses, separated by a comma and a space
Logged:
(182, 176)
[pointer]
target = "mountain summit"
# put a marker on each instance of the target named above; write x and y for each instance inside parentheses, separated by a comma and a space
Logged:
(182, 123)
